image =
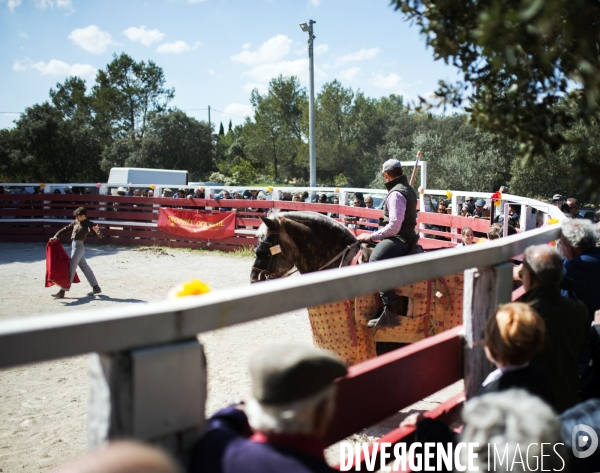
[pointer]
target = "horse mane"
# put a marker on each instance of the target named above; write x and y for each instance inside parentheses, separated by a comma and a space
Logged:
(315, 221)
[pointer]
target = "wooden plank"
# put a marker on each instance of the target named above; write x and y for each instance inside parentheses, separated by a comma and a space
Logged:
(485, 288)
(447, 412)
(32, 339)
(427, 366)
(454, 221)
(431, 244)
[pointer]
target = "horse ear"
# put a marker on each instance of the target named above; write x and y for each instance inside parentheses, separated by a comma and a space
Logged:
(271, 224)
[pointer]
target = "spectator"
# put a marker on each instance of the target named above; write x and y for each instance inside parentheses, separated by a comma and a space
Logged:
(250, 194)
(503, 189)
(564, 208)
(359, 196)
(323, 199)
(567, 325)
(144, 192)
(167, 192)
(87, 191)
(496, 231)
(68, 190)
(449, 209)
(290, 408)
(581, 265)
(336, 201)
(226, 195)
(297, 198)
(557, 200)
(573, 207)
(123, 457)
(468, 237)
(287, 197)
(467, 210)
(56, 191)
(121, 191)
(137, 193)
(261, 196)
(199, 193)
(512, 338)
(150, 193)
(480, 210)
(305, 196)
(369, 205)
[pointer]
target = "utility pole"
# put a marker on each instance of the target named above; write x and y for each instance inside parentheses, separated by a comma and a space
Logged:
(209, 122)
(308, 28)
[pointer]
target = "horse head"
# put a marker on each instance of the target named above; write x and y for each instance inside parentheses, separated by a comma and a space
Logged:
(274, 253)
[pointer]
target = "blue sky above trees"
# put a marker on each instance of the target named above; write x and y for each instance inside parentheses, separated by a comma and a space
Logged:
(213, 52)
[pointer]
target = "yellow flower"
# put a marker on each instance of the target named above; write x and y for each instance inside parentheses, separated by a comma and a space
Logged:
(449, 194)
(480, 240)
(42, 185)
(337, 190)
(497, 203)
(152, 186)
(269, 189)
(189, 288)
(421, 190)
(553, 221)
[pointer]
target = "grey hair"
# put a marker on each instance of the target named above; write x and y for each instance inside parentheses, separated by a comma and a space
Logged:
(292, 418)
(544, 265)
(579, 233)
(511, 420)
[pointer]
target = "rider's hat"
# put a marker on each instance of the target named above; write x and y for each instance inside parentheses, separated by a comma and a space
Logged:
(391, 164)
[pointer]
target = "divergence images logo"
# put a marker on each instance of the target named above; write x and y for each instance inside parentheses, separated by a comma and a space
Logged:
(581, 440)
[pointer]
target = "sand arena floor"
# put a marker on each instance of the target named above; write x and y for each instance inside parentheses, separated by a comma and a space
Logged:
(43, 406)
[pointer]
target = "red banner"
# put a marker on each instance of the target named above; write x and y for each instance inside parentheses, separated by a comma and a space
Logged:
(193, 224)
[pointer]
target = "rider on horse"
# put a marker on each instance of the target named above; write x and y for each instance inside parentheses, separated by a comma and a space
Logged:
(396, 234)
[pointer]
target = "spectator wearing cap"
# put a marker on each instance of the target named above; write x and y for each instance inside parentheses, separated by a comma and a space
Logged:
(120, 206)
(167, 192)
(557, 200)
(567, 323)
(396, 234)
(289, 410)
(581, 265)
(480, 210)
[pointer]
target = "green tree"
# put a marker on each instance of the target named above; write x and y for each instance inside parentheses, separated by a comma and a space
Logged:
(518, 60)
(273, 138)
(175, 141)
(221, 130)
(127, 93)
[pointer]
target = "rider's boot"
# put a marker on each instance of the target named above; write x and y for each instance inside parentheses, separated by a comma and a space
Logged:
(391, 315)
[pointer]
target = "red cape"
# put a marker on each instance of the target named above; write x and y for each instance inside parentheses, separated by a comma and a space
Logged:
(57, 266)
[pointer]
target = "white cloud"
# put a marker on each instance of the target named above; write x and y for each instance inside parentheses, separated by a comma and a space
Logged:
(272, 50)
(315, 3)
(23, 34)
(144, 36)
(91, 38)
(362, 55)
(263, 73)
(321, 48)
(392, 82)
(197, 1)
(177, 47)
(246, 45)
(349, 74)
(45, 4)
(239, 110)
(57, 68)
(12, 4)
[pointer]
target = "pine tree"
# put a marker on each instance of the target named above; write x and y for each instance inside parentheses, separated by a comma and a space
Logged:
(221, 130)
(230, 127)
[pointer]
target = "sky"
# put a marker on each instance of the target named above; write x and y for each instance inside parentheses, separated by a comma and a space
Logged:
(213, 52)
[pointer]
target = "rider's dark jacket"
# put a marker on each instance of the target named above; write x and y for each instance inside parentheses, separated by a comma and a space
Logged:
(400, 184)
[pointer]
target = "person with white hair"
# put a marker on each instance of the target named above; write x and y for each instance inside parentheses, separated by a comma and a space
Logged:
(581, 265)
(289, 411)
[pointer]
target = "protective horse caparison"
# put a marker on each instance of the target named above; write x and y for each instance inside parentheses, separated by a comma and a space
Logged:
(305, 240)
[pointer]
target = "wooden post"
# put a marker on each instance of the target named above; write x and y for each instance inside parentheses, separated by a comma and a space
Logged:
(485, 289)
(528, 218)
(154, 394)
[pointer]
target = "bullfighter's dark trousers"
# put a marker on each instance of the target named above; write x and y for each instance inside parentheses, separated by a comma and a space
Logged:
(387, 248)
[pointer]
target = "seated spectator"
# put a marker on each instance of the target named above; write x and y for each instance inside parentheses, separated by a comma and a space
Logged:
(199, 193)
(512, 338)
(287, 196)
(573, 206)
(496, 231)
(467, 210)
(144, 192)
(56, 191)
(323, 199)
(121, 191)
(123, 456)
(468, 237)
(358, 202)
(290, 408)
(359, 196)
(305, 196)
(297, 198)
(150, 193)
(567, 324)
(250, 194)
(581, 265)
(137, 193)
(225, 195)
(167, 193)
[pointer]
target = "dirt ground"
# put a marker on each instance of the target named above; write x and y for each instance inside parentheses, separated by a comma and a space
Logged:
(43, 406)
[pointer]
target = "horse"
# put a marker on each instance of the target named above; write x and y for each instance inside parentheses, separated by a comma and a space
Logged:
(307, 241)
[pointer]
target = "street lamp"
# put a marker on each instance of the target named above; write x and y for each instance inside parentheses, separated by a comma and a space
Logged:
(308, 28)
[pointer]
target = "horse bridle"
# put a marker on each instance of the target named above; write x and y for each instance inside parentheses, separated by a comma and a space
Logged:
(270, 249)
